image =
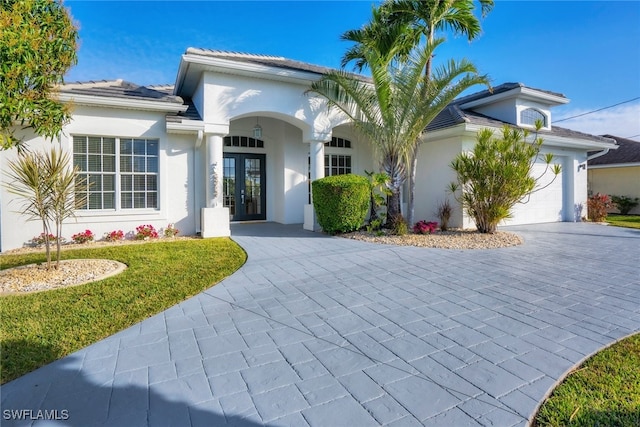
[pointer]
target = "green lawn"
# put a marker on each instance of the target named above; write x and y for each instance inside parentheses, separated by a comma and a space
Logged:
(630, 221)
(41, 327)
(604, 391)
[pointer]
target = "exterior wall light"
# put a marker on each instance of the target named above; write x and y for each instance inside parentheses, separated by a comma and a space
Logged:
(257, 130)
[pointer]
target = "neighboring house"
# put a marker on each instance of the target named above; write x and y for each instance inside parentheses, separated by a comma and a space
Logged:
(238, 138)
(617, 172)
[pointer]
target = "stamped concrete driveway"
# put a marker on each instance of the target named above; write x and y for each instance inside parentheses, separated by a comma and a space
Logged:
(324, 331)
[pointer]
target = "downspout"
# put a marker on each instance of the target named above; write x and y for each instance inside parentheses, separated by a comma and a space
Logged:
(598, 154)
(196, 208)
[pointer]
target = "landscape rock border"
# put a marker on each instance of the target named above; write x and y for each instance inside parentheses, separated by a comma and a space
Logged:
(31, 278)
(453, 239)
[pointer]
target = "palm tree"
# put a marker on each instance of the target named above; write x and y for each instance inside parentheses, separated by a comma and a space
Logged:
(400, 25)
(426, 17)
(395, 107)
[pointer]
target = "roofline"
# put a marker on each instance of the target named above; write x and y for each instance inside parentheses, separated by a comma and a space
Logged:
(521, 90)
(126, 103)
(186, 126)
(549, 140)
(249, 69)
(614, 165)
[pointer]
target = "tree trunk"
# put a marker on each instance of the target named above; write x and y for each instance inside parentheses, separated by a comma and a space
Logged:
(393, 206)
(412, 186)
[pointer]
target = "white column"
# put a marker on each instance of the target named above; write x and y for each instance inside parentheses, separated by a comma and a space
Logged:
(316, 153)
(214, 217)
(214, 171)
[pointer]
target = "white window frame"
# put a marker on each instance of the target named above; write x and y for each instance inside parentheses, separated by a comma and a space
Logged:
(118, 191)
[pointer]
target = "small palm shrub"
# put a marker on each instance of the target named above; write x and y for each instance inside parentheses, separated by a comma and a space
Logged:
(597, 207)
(624, 203)
(341, 202)
(497, 174)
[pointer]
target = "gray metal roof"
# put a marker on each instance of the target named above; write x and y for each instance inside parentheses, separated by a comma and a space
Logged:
(190, 114)
(505, 87)
(453, 115)
(267, 60)
(122, 89)
(628, 152)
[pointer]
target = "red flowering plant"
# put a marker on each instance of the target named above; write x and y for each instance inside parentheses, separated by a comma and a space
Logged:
(146, 232)
(40, 240)
(83, 237)
(424, 227)
(114, 236)
(170, 231)
(597, 207)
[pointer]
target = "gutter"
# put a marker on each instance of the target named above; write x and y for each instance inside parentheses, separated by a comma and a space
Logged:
(598, 154)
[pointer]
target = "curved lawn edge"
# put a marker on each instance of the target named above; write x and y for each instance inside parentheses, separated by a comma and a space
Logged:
(533, 422)
(39, 328)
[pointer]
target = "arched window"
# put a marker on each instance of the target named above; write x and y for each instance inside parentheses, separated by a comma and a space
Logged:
(531, 115)
(243, 141)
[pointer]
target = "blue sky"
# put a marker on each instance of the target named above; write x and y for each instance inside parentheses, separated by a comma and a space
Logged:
(587, 50)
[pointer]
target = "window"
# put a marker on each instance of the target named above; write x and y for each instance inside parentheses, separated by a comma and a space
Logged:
(124, 166)
(530, 116)
(336, 164)
(338, 143)
(242, 141)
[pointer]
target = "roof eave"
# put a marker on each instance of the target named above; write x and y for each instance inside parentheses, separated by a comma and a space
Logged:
(230, 66)
(523, 92)
(185, 126)
(125, 103)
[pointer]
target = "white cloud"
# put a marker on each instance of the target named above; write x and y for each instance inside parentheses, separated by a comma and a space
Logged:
(623, 121)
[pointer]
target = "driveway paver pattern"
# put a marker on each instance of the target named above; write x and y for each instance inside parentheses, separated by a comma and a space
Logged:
(323, 331)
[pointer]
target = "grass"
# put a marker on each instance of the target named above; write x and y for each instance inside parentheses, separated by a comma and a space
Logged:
(41, 327)
(604, 391)
(630, 221)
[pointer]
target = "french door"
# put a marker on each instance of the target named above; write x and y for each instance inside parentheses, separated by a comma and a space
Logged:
(244, 186)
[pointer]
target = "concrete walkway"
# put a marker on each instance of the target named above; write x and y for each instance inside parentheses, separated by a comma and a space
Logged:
(327, 331)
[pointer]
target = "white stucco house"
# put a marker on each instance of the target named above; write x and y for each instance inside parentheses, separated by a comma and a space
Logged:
(237, 138)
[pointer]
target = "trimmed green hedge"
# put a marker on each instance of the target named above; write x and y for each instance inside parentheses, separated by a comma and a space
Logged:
(341, 202)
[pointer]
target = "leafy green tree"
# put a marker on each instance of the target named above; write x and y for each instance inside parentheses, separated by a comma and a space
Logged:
(38, 42)
(497, 174)
(51, 190)
(393, 109)
(398, 26)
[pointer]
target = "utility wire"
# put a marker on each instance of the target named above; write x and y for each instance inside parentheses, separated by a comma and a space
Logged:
(599, 109)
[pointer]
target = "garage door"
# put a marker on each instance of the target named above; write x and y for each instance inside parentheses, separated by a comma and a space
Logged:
(544, 205)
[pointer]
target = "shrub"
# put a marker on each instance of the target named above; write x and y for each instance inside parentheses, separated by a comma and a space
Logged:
(624, 203)
(114, 236)
(83, 237)
(444, 212)
(597, 207)
(399, 225)
(424, 227)
(170, 231)
(145, 232)
(497, 174)
(341, 202)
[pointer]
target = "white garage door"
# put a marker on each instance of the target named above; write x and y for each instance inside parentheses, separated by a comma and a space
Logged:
(544, 205)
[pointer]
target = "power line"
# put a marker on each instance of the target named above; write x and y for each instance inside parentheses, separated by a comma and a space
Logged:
(599, 109)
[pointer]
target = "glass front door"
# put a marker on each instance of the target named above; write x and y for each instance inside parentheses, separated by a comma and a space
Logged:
(244, 186)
